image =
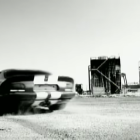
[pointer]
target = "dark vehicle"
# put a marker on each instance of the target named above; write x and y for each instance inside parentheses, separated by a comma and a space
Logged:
(22, 90)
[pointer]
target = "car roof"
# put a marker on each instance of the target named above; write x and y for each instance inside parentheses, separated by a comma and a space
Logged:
(12, 72)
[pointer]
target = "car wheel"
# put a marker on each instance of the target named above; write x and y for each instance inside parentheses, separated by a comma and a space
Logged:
(1, 113)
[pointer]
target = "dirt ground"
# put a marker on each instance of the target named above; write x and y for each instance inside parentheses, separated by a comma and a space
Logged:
(83, 118)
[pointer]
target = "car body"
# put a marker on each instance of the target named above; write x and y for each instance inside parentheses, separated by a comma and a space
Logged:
(30, 89)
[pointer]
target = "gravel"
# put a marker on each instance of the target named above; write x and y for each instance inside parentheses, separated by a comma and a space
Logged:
(83, 118)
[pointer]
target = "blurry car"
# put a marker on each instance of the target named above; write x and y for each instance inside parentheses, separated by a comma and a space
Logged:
(30, 89)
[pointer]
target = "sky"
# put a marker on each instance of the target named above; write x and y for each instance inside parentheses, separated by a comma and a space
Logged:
(60, 36)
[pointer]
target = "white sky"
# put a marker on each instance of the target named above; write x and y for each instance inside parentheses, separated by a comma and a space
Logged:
(61, 35)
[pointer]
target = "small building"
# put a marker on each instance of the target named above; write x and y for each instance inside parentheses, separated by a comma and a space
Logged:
(79, 88)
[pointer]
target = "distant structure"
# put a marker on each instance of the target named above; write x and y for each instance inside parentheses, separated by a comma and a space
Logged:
(139, 71)
(79, 88)
(124, 84)
(104, 75)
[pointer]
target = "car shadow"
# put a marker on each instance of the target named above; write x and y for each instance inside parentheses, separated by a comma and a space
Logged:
(28, 112)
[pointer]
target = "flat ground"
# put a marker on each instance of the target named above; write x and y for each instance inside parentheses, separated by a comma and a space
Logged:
(83, 118)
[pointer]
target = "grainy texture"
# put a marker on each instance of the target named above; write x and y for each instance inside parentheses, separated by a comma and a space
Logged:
(83, 118)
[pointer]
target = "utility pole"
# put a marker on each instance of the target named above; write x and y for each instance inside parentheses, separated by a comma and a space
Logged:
(89, 77)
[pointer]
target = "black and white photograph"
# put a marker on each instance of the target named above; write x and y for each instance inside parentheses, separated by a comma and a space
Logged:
(69, 69)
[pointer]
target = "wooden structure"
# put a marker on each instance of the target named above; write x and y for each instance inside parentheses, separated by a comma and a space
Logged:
(105, 75)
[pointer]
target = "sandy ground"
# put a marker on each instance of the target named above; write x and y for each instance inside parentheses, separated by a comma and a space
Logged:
(83, 118)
